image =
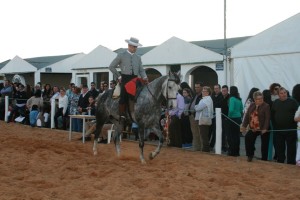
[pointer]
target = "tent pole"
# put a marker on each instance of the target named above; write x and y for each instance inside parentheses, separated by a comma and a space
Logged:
(225, 45)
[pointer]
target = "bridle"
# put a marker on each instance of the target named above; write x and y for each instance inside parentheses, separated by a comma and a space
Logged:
(167, 98)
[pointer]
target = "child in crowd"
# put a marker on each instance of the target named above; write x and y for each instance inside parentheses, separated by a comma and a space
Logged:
(33, 115)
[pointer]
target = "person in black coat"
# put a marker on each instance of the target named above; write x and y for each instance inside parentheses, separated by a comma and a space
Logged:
(83, 104)
(217, 98)
(93, 91)
(282, 114)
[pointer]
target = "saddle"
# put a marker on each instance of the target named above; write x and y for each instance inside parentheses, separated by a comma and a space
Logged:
(134, 87)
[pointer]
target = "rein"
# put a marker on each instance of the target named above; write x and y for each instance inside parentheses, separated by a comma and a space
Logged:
(151, 93)
(167, 94)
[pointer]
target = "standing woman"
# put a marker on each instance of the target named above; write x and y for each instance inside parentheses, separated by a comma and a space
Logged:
(62, 108)
(73, 105)
(296, 96)
(235, 114)
(204, 110)
(36, 99)
(249, 100)
(187, 136)
(47, 93)
(274, 89)
(258, 119)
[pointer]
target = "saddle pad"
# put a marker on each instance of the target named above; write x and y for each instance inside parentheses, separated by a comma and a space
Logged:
(131, 86)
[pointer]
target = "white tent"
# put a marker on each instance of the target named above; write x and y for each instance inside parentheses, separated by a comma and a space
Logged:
(63, 66)
(178, 51)
(270, 56)
(97, 58)
(17, 65)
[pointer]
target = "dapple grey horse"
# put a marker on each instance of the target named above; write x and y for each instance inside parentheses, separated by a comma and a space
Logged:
(147, 111)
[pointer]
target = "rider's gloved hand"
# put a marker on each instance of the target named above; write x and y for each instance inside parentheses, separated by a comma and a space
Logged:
(120, 79)
(145, 80)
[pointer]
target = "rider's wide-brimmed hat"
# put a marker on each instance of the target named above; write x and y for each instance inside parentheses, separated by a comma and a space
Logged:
(134, 42)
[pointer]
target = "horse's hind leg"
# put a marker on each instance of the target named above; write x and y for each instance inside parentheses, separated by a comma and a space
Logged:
(141, 144)
(95, 147)
(97, 133)
(158, 132)
(116, 138)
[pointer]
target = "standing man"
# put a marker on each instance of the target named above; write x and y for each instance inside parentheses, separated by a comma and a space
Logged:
(194, 122)
(217, 98)
(225, 123)
(93, 91)
(83, 103)
(112, 84)
(131, 66)
(282, 114)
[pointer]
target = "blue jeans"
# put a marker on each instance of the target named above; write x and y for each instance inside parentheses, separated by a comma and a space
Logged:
(75, 127)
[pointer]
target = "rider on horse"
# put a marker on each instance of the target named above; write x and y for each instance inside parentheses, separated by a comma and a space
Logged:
(131, 66)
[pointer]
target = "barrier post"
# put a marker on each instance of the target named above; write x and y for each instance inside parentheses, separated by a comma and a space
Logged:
(218, 145)
(52, 112)
(6, 108)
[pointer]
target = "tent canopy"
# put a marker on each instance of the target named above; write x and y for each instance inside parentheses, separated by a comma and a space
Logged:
(272, 56)
(178, 51)
(17, 65)
(282, 38)
(64, 66)
(97, 58)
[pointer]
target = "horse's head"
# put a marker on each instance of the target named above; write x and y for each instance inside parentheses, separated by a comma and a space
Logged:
(170, 89)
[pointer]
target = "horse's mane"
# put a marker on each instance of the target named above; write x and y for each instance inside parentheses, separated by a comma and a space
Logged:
(102, 97)
(154, 82)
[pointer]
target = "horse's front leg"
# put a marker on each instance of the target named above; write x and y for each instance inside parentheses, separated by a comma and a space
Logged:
(117, 137)
(160, 136)
(141, 144)
(97, 134)
(96, 142)
(95, 147)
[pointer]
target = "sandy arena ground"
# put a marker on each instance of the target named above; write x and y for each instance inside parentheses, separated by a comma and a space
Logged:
(41, 163)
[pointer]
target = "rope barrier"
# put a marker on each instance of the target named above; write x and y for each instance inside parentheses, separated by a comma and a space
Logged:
(279, 130)
(259, 130)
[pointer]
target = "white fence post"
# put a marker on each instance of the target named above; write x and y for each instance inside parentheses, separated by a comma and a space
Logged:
(218, 131)
(6, 108)
(52, 112)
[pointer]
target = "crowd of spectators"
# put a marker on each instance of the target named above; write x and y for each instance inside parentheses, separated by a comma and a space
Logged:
(32, 105)
(271, 114)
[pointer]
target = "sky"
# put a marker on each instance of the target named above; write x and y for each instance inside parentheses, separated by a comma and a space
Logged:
(34, 28)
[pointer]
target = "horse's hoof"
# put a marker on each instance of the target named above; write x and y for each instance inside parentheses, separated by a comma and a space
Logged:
(151, 156)
(143, 162)
(95, 153)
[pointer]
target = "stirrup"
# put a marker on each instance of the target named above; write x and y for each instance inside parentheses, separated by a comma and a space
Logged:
(122, 119)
